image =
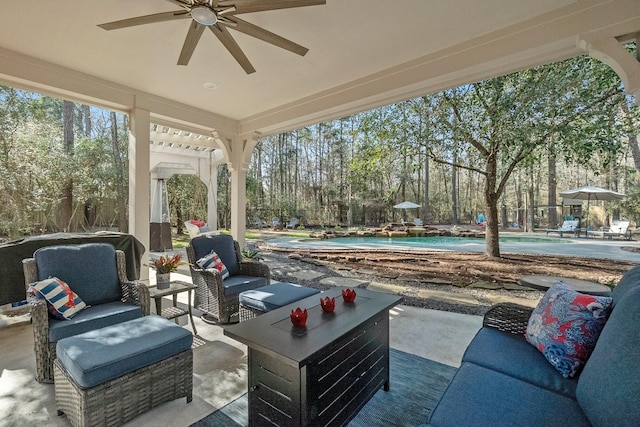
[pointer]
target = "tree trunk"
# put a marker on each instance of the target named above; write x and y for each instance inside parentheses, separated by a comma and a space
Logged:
(531, 209)
(454, 195)
(123, 225)
(491, 208)
(86, 115)
(425, 212)
(66, 199)
(552, 183)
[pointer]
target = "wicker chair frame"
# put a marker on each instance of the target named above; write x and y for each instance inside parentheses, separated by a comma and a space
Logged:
(508, 317)
(209, 295)
(117, 401)
(135, 293)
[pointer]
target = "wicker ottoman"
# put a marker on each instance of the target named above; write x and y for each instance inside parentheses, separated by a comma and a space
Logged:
(278, 294)
(111, 375)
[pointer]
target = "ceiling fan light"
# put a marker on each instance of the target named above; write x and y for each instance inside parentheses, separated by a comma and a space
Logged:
(204, 15)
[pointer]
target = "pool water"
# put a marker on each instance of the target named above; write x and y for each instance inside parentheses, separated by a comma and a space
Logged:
(434, 241)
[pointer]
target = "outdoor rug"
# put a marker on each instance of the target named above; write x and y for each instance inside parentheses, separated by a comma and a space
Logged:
(416, 386)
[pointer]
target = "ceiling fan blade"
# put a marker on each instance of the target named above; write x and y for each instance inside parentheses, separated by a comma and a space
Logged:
(147, 19)
(181, 3)
(248, 6)
(267, 36)
(190, 43)
(229, 42)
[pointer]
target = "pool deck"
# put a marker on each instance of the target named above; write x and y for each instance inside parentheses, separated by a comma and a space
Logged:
(569, 246)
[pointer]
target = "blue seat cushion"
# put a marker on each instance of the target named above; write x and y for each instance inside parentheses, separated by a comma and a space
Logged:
(94, 317)
(235, 285)
(276, 295)
(479, 397)
(90, 270)
(513, 355)
(224, 246)
(609, 385)
(105, 354)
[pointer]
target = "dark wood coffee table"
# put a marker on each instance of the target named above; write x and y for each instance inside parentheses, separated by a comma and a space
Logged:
(324, 373)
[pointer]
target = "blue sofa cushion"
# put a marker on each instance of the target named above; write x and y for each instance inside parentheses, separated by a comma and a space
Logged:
(609, 385)
(276, 295)
(479, 397)
(90, 270)
(514, 356)
(212, 260)
(565, 327)
(94, 317)
(234, 285)
(224, 246)
(104, 354)
(62, 302)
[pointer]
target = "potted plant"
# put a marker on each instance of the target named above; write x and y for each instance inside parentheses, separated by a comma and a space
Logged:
(164, 266)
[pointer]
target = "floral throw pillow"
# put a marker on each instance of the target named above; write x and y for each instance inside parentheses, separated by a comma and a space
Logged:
(212, 260)
(565, 327)
(62, 302)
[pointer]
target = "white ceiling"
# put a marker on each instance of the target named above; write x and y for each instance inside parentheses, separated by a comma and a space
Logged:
(362, 53)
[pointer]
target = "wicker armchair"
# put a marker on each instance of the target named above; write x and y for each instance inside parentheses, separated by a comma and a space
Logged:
(80, 266)
(508, 317)
(216, 297)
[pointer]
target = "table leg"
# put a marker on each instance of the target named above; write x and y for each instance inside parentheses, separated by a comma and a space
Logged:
(158, 306)
(193, 325)
(175, 304)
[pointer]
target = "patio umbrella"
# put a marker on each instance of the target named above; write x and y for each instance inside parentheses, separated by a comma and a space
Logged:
(406, 205)
(589, 193)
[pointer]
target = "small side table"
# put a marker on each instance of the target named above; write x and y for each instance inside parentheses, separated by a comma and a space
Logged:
(176, 286)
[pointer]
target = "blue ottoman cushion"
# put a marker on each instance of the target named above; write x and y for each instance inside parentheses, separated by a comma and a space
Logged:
(105, 354)
(274, 296)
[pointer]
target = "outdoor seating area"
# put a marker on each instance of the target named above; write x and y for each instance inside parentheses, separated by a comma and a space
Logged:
(153, 362)
(505, 380)
(219, 366)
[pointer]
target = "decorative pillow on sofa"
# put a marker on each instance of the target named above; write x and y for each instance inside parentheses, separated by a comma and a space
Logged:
(565, 326)
(212, 260)
(62, 302)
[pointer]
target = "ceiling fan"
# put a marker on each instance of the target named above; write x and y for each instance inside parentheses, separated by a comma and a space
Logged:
(218, 15)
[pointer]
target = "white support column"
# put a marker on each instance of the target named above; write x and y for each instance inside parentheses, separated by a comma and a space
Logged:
(239, 150)
(139, 183)
(238, 191)
(211, 168)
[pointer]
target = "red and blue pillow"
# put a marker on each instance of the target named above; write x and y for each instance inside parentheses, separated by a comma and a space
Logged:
(212, 260)
(62, 302)
(565, 327)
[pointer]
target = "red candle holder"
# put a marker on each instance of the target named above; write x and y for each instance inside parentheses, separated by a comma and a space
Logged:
(328, 304)
(349, 295)
(299, 317)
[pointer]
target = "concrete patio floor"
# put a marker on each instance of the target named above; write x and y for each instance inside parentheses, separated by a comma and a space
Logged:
(219, 365)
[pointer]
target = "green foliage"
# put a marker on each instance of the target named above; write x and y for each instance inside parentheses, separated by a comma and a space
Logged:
(251, 254)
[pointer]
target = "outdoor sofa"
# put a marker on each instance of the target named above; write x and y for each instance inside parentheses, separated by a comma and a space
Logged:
(506, 381)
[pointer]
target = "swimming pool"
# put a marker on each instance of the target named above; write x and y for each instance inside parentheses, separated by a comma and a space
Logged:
(590, 248)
